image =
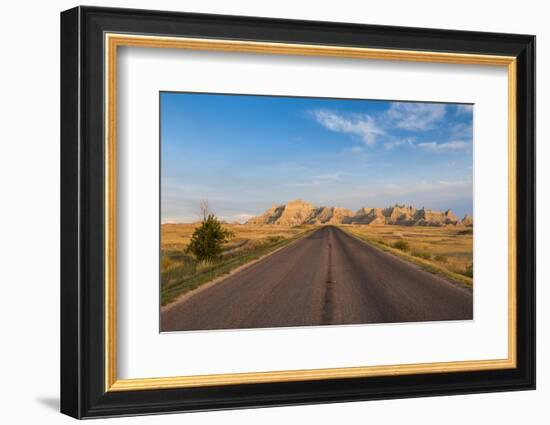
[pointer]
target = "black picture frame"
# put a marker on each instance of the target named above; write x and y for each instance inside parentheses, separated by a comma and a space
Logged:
(83, 392)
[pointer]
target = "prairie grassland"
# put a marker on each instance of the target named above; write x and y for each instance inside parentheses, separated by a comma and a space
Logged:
(177, 236)
(181, 272)
(447, 251)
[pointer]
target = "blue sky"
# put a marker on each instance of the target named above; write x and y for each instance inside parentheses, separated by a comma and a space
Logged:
(245, 153)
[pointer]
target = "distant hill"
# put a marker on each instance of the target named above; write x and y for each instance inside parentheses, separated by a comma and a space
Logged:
(299, 212)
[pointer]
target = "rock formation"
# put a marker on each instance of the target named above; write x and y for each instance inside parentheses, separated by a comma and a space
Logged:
(298, 212)
(468, 220)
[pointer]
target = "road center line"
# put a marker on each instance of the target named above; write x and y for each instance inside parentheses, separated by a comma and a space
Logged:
(328, 303)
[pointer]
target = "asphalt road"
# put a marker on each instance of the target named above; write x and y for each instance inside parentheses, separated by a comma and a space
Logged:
(325, 278)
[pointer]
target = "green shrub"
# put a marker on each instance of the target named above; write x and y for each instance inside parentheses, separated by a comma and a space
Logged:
(424, 255)
(440, 258)
(402, 244)
(207, 239)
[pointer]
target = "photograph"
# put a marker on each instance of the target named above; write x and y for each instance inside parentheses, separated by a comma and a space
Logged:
(281, 211)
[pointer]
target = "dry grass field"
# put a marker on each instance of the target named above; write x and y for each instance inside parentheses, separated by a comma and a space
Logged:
(180, 272)
(444, 250)
(177, 236)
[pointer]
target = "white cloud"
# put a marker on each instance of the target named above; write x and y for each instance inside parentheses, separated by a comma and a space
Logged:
(409, 141)
(414, 116)
(370, 128)
(361, 125)
(444, 147)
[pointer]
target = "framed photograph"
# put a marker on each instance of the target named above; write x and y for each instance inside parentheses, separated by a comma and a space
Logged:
(261, 212)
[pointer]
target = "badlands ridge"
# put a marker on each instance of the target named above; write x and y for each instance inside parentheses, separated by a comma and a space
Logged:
(298, 212)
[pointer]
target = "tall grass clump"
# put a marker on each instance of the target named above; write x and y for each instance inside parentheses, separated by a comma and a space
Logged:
(440, 258)
(204, 265)
(421, 254)
(402, 244)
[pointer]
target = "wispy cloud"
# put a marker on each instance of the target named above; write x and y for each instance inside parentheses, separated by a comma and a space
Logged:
(464, 109)
(409, 141)
(444, 147)
(414, 116)
(313, 183)
(361, 125)
(441, 187)
(329, 176)
(462, 131)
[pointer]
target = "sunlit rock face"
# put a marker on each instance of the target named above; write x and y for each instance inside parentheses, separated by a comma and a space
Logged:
(299, 212)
